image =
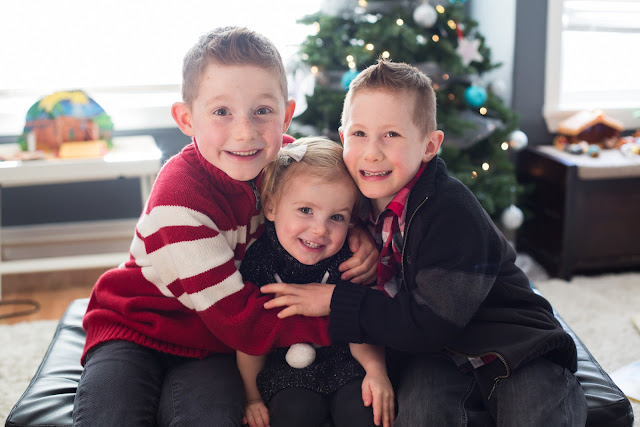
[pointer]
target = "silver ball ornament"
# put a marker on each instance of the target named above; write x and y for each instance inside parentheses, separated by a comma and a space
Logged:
(425, 15)
(512, 217)
(498, 88)
(518, 140)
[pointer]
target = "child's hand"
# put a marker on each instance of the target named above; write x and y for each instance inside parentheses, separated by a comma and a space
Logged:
(312, 299)
(377, 390)
(256, 414)
(362, 267)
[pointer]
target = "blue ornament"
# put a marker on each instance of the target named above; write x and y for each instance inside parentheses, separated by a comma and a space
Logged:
(593, 150)
(457, 1)
(475, 96)
(348, 77)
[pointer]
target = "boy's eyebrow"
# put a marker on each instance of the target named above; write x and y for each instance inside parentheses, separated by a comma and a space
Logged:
(222, 98)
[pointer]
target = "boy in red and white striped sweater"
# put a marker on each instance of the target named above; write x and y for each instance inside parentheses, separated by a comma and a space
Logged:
(162, 328)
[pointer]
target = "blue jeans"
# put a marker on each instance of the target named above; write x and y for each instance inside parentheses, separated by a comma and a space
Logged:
(125, 384)
(432, 391)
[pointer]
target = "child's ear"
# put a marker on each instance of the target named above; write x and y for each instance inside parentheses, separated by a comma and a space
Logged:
(288, 114)
(269, 209)
(181, 113)
(433, 145)
(341, 135)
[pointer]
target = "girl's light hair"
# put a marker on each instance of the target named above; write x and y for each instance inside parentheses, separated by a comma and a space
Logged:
(323, 160)
(230, 46)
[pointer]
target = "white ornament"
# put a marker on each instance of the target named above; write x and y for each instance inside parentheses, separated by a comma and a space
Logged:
(498, 88)
(425, 15)
(468, 50)
(300, 355)
(518, 140)
(512, 217)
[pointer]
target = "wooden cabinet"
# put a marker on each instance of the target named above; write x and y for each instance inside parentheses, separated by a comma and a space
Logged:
(584, 216)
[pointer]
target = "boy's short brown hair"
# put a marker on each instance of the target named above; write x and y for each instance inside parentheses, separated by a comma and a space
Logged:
(230, 46)
(398, 77)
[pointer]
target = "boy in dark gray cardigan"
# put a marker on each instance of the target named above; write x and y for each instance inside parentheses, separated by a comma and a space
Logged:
(477, 345)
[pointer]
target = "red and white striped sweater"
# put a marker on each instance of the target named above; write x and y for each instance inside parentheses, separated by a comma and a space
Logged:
(180, 292)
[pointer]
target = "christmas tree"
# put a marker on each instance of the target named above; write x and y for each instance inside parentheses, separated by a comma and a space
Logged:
(441, 40)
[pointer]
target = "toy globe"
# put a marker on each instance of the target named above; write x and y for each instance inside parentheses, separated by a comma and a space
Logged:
(56, 121)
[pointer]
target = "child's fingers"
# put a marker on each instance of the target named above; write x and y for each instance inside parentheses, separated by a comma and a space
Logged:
(287, 312)
(388, 413)
(377, 410)
(354, 242)
(367, 396)
(264, 413)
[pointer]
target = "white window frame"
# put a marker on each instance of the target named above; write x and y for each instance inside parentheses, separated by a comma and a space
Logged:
(142, 104)
(553, 111)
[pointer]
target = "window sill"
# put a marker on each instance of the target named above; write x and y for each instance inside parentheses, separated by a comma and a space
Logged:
(630, 117)
(149, 109)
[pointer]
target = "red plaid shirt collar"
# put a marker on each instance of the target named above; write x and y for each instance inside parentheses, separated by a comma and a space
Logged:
(388, 231)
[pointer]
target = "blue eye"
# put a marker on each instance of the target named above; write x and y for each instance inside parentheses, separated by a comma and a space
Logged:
(221, 112)
(263, 110)
(337, 217)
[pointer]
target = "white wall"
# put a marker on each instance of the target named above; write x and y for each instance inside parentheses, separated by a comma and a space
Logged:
(497, 23)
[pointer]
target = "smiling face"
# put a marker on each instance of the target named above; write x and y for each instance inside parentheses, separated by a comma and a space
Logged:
(237, 118)
(383, 148)
(312, 216)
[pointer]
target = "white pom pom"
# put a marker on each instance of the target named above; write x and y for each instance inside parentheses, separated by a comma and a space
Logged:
(300, 355)
(425, 15)
(512, 217)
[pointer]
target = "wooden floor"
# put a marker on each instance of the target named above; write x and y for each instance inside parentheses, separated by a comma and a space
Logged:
(53, 291)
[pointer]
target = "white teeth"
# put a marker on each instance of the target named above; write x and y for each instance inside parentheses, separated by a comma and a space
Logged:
(244, 153)
(312, 245)
(365, 173)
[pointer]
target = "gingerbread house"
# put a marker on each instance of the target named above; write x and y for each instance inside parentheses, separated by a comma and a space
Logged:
(592, 126)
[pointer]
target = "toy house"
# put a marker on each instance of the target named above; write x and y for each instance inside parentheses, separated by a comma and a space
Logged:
(591, 126)
(66, 117)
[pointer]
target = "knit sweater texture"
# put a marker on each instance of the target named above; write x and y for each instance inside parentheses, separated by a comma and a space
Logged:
(181, 292)
(461, 291)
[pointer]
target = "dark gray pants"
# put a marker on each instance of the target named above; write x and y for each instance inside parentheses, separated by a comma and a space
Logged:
(125, 384)
(432, 391)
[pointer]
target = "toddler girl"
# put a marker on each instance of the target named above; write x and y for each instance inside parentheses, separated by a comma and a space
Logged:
(308, 198)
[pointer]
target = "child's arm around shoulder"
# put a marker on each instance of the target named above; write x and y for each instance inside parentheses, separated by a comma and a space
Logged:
(188, 243)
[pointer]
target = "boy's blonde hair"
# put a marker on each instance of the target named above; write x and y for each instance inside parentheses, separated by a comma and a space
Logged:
(323, 160)
(398, 77)
(230, 46)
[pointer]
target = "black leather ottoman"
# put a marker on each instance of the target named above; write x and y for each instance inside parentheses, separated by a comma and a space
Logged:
(48, 400)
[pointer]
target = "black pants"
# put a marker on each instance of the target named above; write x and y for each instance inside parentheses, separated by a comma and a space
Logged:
(297, 407)
(125, 384)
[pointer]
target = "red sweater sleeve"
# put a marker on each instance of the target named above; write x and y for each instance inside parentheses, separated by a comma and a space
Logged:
(190, 244)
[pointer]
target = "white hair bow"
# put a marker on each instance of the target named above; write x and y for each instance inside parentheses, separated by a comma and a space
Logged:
(294, 151)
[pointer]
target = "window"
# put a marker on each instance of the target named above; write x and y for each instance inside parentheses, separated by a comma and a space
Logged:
(592, 59)
(126, 54)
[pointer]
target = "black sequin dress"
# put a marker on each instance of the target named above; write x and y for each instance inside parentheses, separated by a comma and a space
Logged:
(333, 366)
